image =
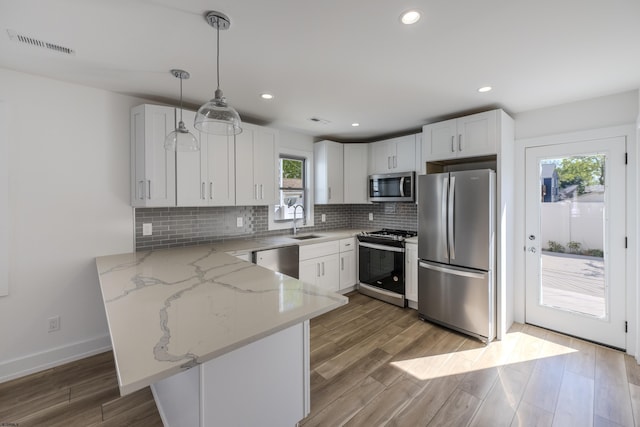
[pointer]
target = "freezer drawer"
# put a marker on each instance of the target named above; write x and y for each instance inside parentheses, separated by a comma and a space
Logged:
(459, 298)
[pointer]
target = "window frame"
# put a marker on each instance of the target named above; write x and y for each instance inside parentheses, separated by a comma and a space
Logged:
(283, 224)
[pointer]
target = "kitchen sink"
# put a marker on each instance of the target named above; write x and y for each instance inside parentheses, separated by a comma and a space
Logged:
(306, 237)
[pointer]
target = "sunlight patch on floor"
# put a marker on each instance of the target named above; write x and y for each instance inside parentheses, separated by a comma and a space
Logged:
(494, 355)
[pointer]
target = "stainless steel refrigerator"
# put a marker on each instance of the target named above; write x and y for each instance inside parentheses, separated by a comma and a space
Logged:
(456, 251)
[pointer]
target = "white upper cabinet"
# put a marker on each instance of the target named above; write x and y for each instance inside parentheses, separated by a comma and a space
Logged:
(356, 164)
(329, 172)
(256, 151)
(153, 175)
(393, 155)
(206, 177)
(469, 136)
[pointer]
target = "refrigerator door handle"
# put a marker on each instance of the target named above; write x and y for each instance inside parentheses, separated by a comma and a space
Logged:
(452, 229)
(455, 272)
(443, 217)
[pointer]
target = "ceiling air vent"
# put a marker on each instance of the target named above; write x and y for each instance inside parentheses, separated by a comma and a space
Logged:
(20, 38)
(319, 120)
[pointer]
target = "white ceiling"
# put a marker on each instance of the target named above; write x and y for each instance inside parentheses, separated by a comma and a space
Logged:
(344, 61)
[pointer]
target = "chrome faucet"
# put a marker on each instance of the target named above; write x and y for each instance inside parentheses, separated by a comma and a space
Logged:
(304, 220)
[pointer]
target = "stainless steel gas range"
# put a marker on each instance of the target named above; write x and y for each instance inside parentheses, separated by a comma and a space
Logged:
(381, 264)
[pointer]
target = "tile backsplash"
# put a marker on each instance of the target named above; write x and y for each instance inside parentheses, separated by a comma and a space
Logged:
(176, 227)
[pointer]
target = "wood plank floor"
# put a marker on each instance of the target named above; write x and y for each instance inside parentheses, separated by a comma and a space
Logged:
(82, 393)
(374, 364)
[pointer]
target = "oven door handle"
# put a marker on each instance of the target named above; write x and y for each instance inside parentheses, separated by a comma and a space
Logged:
(380, 247)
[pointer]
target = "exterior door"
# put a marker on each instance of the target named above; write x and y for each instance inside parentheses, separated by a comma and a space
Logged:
(575, 239)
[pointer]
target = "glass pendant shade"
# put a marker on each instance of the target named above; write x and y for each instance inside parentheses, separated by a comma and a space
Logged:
(218, 118)
(181, 140)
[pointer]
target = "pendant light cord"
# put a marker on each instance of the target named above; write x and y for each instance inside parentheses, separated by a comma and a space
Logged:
(218, 52)
(180, 97)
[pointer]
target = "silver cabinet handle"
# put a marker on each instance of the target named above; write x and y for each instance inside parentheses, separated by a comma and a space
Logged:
(453, 143)
(342, 263)
(211, 189)
(460, 142)
(318, 274)
(261, 191)
(323, 268)
(149, 193)
(347, 244)
(202, 191)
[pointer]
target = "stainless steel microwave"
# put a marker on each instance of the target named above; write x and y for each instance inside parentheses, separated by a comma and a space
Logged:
(392, 187)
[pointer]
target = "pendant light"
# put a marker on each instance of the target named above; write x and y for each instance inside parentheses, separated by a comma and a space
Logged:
(216, 116)
(181, 139)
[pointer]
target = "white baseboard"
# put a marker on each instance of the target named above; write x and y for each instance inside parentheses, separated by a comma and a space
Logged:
(37, 362)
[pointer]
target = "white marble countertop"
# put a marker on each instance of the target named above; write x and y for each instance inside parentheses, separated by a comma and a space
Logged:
(169, 310)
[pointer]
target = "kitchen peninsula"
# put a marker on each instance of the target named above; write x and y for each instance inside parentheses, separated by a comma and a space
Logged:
(220, 340)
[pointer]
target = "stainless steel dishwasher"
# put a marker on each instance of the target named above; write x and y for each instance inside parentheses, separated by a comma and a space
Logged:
(283, 260)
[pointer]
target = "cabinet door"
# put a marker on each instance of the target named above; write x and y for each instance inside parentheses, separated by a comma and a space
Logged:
(347, 269)
(191, 169)
(246, 190)
(219, 182)
(382, 153)
(329, 172)
(477, 134)
(439, 141)
(309, 271)
(265, 152)
(154, 175)
(404, 159)
(329, 272)
(411, 273)
(356, 173)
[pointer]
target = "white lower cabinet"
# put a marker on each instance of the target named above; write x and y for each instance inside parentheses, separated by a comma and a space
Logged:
(411, 272)
(347, 263)
(320, 265)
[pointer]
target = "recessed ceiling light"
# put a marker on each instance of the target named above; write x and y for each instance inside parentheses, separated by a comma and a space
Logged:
(355, 124)
(410, 17)
(266, 96)
(485, 89)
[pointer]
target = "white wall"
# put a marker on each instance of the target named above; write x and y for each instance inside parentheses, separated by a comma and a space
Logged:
(296, 141)
(68, 203)
(595, 113)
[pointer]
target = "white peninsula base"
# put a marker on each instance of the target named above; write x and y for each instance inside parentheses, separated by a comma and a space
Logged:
(264, 383)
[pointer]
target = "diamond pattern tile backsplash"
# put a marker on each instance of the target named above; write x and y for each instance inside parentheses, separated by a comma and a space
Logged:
(176, 227)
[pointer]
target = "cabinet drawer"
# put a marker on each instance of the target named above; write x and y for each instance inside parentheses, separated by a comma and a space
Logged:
(347, 244)
(319, 249)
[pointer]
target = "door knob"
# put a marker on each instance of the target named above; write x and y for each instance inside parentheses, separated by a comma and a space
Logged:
(532, 237)
(532, 250)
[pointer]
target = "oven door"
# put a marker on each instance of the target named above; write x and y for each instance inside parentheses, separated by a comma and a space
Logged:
(381, 266)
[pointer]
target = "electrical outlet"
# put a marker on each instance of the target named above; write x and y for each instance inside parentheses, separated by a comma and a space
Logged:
(147, 229)
(239, 221)
(323, 218)
(54, 323)
(370, 216)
